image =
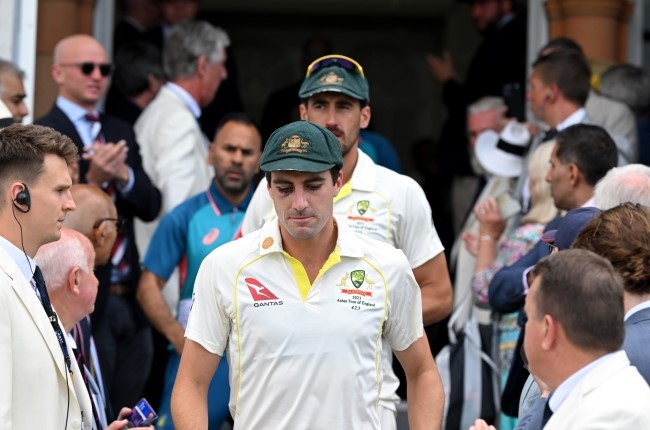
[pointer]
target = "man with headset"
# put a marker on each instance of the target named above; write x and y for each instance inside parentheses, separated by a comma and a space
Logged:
(41, 386)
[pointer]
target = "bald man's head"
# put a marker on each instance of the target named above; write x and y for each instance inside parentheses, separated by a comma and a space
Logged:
(81, 70)
(95, 217)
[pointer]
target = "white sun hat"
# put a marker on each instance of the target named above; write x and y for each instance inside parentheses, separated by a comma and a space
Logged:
(503, 154)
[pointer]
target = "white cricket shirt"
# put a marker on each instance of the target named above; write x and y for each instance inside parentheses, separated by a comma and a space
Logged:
(305, 357)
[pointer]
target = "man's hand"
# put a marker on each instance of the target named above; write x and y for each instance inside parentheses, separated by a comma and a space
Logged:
(107, 162)
(442, 68)
(122, 420)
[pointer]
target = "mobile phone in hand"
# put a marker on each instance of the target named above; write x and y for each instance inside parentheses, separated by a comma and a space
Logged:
(142, 415)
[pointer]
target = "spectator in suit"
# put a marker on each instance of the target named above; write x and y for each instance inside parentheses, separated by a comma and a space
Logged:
(559, 87)
(622, 235)
(137, 78)
(111, 161)
(138, 17)
(604, 110)
(35, 365)
(12, 90)
(67, 266)
(573, 338)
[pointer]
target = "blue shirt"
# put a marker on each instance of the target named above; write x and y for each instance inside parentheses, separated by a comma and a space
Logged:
(193, 229)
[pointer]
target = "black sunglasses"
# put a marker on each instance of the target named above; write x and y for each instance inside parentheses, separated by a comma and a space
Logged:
(345, 62)
(87, 68)
(119, 222)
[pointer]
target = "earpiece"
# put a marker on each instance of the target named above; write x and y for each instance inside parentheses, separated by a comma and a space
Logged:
(549, 95)
(23, 198)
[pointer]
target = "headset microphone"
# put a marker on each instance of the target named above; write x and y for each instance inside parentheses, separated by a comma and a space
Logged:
(23, 198)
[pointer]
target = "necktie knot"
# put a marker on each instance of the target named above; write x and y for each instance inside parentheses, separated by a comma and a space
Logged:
(92, 117)
(549, 134)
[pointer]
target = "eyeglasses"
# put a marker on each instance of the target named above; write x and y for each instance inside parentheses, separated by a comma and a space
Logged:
(87, 68)
(343, 61)
(552, 247)
(119, 222)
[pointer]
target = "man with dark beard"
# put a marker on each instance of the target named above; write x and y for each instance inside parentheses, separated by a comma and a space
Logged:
(190, 232)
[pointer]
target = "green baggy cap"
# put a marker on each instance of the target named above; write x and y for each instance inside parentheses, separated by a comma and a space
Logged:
(335, 78)
(301, 146)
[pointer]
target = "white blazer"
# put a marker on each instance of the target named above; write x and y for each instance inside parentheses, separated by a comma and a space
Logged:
(34, 393)
(175, 157)
(611, 396)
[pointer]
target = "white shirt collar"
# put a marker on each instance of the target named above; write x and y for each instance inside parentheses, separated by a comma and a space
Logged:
(25, 263)
(363, 175)
(186, 97)
(346, 242)
(564, 389)
(575, 118)
(641, 306)
(589, 203)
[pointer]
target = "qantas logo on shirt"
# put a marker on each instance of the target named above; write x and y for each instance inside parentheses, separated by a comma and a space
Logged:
(260, 293)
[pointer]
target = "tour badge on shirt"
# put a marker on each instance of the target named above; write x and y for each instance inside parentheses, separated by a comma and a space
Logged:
(361, 210)
(356, 290)
(368, 217)
(261, 295)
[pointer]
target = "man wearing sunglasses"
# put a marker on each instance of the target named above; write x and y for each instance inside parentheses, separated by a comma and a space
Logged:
(374, 201)
(110, 160)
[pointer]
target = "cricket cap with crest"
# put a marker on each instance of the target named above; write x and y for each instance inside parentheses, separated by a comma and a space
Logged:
(335, 73)
(301, 146)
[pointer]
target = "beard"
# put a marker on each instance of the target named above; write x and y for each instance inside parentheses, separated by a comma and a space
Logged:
(233, 187)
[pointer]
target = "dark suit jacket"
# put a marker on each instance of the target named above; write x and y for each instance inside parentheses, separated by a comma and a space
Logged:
(119, 106)
(506, 291)
(144, 200)
(637, 339)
